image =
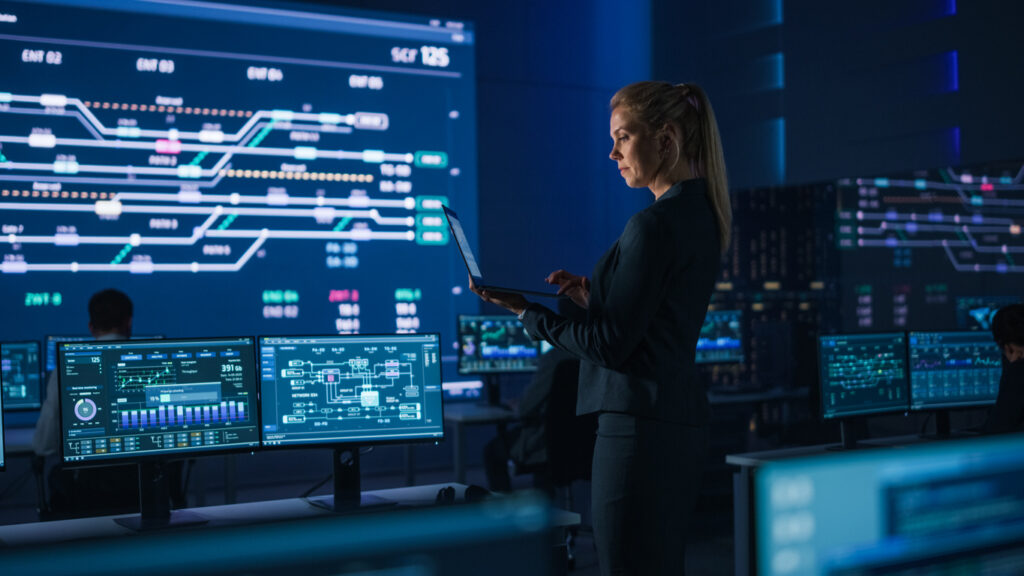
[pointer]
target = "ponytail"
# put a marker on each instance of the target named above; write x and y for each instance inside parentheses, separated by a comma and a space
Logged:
(686, 106)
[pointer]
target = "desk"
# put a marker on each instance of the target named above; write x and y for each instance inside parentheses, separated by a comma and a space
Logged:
(743, 489)
(461, 415)
(230, 515)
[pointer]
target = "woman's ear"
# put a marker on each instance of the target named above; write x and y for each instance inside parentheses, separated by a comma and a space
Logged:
(667, 135)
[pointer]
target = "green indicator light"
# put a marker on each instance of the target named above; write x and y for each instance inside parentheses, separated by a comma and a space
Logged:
(431, 203)
(280, 296)
(408, 294)
(39, 299)
(263, 134)
(227, 222)
(428, 159)
(431, 221)
(122, 254)
(199, 158)
(432, 236)
(341, 225)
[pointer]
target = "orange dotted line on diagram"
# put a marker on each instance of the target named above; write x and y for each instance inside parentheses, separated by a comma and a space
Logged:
(196, 110)
(279, 175)
(58, 194)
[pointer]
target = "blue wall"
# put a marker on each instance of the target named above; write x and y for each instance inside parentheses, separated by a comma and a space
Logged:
(809, 91)
(549, 196)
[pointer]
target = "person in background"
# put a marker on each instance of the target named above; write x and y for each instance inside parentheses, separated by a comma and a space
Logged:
(1008, 331)
(646, 301)
(110, 318)
(92, 491)
(550, 441)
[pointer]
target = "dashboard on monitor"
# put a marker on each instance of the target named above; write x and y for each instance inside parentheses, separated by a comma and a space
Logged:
(953, 369)
(156, 399)
(721, 338)
(495, 344)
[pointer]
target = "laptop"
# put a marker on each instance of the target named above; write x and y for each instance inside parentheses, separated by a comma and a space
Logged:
(471, 264)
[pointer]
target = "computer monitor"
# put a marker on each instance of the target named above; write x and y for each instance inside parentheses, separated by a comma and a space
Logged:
(349, 391)
(150, 401)
(862, 374)
(456, 390)
(508, 536)
(816, 515)
(19, 375)
(53, 341)
(721, 338)
(3, 461)
(495, 345)
(953, 370)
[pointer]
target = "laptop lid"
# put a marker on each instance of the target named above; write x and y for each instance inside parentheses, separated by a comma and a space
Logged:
(463, 243)
(471, 262)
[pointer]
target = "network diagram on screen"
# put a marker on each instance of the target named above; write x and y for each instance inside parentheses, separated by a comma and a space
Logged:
(19, 375)
(947, 242)
(336, 389)
(173, 144)
(862, 373)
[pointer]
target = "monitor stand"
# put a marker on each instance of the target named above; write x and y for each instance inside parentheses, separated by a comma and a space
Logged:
(851, 431)
(348, 496)
(943, 429)
(492, 387)
(155, 502)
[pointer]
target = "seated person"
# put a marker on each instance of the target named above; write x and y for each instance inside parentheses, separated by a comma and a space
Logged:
(1008, 331)
(91, 491)
(550, 441)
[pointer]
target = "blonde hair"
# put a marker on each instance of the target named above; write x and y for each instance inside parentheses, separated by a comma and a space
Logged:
(686, 106)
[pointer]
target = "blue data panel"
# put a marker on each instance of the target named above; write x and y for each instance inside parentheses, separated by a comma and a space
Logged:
(721, 337)
(953, 369)
(351, 389)
(235, 169)
(125, 400)
(2, 461)
(495, 345)
(20, 376)
(52, 342)
(864, 511)
(862, 374)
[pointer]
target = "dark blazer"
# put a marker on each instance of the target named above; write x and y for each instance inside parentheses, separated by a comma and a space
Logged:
(648, 297)
(1008, 413)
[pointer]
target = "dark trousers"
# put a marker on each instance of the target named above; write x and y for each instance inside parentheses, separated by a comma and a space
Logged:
(647, 476)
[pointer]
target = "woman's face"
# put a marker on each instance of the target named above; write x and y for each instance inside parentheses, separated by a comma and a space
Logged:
(634, 149)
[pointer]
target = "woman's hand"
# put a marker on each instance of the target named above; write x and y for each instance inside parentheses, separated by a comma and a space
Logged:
(575, 287)
(514, 303)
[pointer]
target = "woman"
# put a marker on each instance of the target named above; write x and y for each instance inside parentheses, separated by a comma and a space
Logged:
(645, 306)
(1008, 332)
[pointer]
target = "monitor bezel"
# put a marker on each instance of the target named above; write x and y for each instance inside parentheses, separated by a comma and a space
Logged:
(948, 406)
(178, 455)
(39, 370)
(458, 343)
(332, 444)
(3, 429)
(875, 412)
